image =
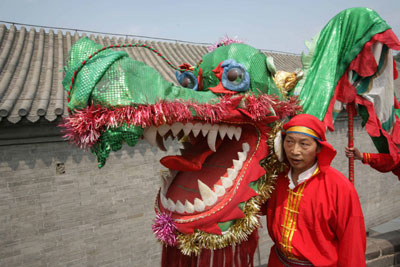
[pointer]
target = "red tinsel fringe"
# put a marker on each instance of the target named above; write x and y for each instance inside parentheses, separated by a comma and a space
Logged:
(85, 126)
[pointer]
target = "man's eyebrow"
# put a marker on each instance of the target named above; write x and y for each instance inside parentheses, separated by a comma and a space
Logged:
(301, 139)
(305, 139)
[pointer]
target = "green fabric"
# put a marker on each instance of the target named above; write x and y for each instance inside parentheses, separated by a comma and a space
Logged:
(336, 46)
(253, 60)
(380, 142)
(112, 140)
(388, 125)
(224, 226)
(111, 78)
(90, 74)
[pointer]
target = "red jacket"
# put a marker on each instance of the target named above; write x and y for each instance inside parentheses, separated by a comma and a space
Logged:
(382, 162)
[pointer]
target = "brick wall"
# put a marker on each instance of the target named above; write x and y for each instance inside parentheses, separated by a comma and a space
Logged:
(383, 250)
(58, 209)
(83, 217)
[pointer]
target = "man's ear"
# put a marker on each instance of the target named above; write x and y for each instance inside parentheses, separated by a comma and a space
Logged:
(318, 147)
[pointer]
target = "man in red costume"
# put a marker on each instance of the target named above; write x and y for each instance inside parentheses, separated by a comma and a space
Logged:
(379, 161)
(314, 215)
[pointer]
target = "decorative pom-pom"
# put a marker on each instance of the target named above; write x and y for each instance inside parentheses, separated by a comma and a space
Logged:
(164, 228)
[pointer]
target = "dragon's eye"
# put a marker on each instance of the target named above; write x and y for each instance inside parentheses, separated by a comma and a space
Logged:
(187, 83)
(187, 80)
(235, 76)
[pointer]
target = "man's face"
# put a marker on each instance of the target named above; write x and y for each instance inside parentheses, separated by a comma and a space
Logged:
(301, 151)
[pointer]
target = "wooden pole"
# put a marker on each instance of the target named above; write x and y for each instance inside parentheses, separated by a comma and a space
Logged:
(350, 112)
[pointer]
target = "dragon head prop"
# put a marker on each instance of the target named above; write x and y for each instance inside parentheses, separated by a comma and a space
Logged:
(225, 112)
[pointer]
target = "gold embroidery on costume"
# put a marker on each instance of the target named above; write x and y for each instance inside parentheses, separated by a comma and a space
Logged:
(367, 157)
(290, 219)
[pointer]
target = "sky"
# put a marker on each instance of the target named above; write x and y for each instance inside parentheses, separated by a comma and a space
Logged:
(271, 25)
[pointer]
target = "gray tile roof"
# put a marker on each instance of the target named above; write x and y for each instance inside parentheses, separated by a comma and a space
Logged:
(32, 61)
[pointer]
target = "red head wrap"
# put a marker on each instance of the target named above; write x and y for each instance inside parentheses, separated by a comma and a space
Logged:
(311, 126)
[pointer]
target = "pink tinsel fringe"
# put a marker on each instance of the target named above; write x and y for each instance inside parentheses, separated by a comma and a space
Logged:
(85, 126)
(224, 41)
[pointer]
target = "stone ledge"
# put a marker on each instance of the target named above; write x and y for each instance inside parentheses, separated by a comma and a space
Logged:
(383, 249)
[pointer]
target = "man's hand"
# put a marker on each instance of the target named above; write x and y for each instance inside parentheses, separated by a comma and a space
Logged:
(353, 153)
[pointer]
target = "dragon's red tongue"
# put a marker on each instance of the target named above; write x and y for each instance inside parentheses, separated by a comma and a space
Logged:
(192, 159)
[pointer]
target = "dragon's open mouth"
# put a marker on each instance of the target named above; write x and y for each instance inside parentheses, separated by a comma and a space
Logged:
(213, 159)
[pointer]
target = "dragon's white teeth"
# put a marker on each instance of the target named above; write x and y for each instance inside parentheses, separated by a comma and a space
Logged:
(150, 134)
(232, 173)
(179, 207)
(163, 129)
(242, 156)
(195, 132)
(211, 131)
(187, 128)
(222, 130)
(211, 139)
(164, 184)
(160, 143)
(245, 147)
(171, 205)
(189, 208)
(231, 131)
(208, 196)
(196, 129)
(206, 128)
(219, 190)
(164, 201)
(198, 126)
(226, 182)
(237, 164)
(172, 173)
(199, 205)
(176, 128)
(238, 133)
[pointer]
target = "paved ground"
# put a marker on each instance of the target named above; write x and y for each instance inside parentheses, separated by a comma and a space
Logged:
(390, 226)
(383, 245)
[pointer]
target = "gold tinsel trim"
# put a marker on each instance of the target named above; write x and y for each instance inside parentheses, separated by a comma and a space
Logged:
(242, 228)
